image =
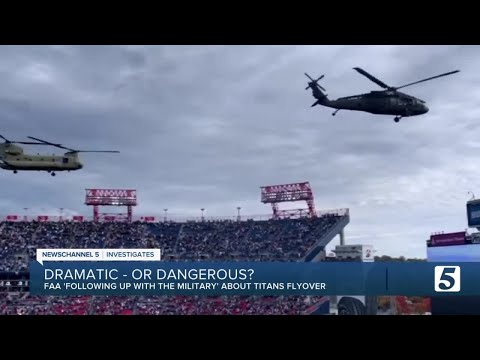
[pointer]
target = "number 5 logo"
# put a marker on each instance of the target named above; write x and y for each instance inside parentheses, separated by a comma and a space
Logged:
(447, 279)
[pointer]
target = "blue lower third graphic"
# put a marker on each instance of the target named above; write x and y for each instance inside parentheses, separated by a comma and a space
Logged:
(253, 278)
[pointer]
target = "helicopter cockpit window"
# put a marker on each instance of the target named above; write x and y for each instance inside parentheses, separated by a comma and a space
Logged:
(65, 160)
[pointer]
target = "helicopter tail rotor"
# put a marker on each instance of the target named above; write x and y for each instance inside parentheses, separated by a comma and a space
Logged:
(314, 83)
(317, 90)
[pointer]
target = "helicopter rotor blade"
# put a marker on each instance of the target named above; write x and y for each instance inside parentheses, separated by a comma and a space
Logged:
(27, 143)
(42, 141)
(372, 78)
(430, 78)
(21, 142)
(71, 150)
(309, 76)
(49, 143)
(96, 151)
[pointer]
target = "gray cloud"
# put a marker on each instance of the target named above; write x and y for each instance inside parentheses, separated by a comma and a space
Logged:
(206, 126)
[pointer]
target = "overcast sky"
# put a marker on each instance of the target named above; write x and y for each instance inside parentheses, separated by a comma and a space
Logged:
(206, 126)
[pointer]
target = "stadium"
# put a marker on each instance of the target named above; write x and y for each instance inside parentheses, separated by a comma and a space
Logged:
(193, 125)
(295, 235)
(298, 235)
(287, 235)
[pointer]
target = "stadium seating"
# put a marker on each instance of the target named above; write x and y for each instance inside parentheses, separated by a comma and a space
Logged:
(273, 240)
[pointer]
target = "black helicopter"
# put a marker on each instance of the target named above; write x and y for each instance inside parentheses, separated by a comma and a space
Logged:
(384, 102)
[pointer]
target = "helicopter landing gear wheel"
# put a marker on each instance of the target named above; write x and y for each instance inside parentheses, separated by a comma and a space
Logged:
(335, 112)
(397, 119)
(53, 174)
(15, 171)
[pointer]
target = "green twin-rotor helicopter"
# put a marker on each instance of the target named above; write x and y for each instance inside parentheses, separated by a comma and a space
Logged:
(13, 157)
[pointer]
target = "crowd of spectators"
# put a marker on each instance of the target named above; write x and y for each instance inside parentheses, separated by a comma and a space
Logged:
(161, 305)
(273, 240)
(225, 305)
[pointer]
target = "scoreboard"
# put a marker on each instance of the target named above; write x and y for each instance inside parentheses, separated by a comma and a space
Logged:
(14, 282)
(473, 213)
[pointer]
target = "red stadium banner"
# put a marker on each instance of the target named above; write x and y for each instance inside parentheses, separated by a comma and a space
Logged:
(77, 218)
(286, 187)
(111, 193)
(42, 218)
(457, 238)
(148, 219)
(13, 218)
(109, 218)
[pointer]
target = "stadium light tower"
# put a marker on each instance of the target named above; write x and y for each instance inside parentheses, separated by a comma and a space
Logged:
(275, 194)
(25, 217)
(61, 214)
(111, 197)
(203, 218)
(165, 217)
(238, 213)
